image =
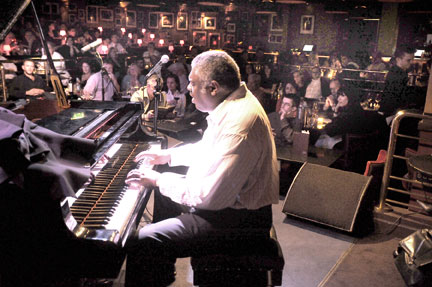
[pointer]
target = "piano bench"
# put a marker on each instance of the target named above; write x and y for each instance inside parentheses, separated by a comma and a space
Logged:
(260, 266)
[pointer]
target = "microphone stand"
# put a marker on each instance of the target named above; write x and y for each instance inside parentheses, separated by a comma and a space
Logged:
(157, 94)
(103, 73)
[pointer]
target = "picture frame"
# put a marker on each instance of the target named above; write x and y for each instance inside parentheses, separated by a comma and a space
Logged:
(81, 14)
(106, 15)
(55, 9)
(131, 19)
(182, 21)
(214, 40)
(210, 23)
(229, 38)
(275, 38)
(196, 21)
(307, 23)
(231, 27)
(167, 20)
(153, 20)
(72, 7)
(276, 23)
(118, 22)
(72, 18)
(92, 14)
(199, 38)
(118, 11)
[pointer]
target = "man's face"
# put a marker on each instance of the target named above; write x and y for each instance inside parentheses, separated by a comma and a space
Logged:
(200, 91)
(316, 73)
(171, 84)
(254, 82)
(28, 67)
(334, 88)
(114, 38)
(404, 62)
(288, 107)
(151, 86)
(297, 78)
(109, 68)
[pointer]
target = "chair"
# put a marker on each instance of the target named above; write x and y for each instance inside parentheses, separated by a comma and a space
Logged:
(355, 144)
(375, 168)
(260, 265)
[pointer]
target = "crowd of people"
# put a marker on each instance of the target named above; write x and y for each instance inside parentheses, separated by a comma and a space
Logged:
(116, 69)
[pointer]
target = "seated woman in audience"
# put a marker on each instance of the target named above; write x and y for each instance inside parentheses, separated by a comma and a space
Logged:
(133, 80)
(86, 72)
(174, 97)
(352, 119)
(268, 80)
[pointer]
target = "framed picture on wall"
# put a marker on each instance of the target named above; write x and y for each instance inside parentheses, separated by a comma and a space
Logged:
(307, 23)
(199, 38)
(72, 7)
(153, 20)
(229, 39)
(276, 23)
(118, 22)
(106, 15)
(92, 14)
(231, 27)
(72, 18)
(214, 40)
(118, 11)
(182, 21)
(167, 20)
(196, 20)
(275, 38)
(81, 14)
(131, 19)
(210, 23)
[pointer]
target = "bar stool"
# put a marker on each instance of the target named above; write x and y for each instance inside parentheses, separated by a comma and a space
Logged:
(260, 266)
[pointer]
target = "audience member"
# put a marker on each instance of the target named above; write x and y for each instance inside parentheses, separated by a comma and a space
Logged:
(31, 45)
(116, 45)
(86, 72)
(102, 86)
(332, 99)
(174, 96)
(396, 94)
(285, 122)
(147, 96)
(59, 63)
(133, 80)
(151, 56)
(10, 69)
(318, 87)
(376, 64)
(27, 84)
(10, 45)
(300, 82)
(268, 80)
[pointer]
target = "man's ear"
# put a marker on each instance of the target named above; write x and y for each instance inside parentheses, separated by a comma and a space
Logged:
(214, 88)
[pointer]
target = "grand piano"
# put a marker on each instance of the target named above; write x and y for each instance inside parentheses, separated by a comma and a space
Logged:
(58, 240)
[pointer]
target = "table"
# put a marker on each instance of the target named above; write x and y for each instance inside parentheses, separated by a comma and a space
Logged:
(423, 165)
(316, 155)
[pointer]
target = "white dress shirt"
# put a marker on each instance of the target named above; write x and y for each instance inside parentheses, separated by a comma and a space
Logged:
(233, 166)
(313, 90)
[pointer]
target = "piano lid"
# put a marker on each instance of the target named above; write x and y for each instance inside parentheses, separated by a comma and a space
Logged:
(9, 16)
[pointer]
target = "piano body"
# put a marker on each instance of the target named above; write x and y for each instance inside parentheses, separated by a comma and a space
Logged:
(50, 240)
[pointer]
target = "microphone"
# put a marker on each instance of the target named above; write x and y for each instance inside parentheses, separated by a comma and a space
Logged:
(104, 71)
(156, 68)
(91, 45)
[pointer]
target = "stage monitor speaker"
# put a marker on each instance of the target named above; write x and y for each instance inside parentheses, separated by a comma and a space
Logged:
(326, 195)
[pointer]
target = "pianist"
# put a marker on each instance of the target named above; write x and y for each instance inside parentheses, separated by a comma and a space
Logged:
(226, 195)
(27, 84)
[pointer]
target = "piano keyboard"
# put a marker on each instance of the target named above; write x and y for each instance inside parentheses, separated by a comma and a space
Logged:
(107, 203)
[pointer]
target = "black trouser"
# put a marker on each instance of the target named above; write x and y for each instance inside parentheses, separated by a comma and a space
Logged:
(188, 232)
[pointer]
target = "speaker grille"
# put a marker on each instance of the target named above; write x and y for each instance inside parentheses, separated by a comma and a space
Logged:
(326, 195)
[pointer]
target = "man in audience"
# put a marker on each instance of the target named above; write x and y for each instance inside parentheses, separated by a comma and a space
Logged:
(115, 44)
(101, 86)
(331, 100)
(318, 87)
(147, 97)
(151, 56)
(27, 84)
(397, 94)
(285, 122)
